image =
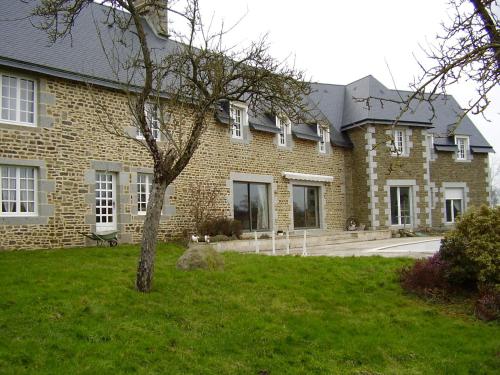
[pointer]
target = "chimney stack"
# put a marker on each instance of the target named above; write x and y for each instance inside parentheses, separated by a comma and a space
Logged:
(155, 14)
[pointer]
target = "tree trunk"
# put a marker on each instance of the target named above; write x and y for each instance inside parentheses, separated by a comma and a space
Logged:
(145, 268)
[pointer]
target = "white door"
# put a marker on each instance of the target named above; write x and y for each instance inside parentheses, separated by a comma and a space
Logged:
(105, 202)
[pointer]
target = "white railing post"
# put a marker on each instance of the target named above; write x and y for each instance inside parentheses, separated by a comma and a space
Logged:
(287, 243)
(257, 250)
(274, 243)
(304, 247)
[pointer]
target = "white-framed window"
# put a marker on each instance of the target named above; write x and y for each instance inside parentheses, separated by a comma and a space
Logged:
(152, 117)
(284, 125)
(144, 184)
(399, 145)
(238, 118)
(323, 134)
(18, 100)
(454, 203)
(401, 205)
(463, 147)
(18, 187)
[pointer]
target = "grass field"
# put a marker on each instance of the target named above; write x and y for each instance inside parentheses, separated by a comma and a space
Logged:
(76, 312)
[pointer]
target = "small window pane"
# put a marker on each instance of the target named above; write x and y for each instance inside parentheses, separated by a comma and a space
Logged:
(9, 98)
(241, 204)
(394, 206)
(299, 207)
(449, 214)
(457, 208)
(258, 205)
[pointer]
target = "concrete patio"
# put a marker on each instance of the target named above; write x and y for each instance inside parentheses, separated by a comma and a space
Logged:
(413, 247)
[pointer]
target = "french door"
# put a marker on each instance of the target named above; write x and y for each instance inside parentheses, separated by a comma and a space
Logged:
(401, 212)
(105, 201)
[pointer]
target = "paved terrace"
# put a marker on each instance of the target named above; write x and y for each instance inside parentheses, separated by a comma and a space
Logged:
(413, 247)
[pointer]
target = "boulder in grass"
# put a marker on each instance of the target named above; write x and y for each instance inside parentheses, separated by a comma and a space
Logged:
(201, 257)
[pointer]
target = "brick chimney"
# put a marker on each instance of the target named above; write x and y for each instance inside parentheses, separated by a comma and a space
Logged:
(155, 14)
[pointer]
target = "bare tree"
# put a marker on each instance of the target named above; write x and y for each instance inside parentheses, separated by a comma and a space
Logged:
(468, 49)
(202, 202)
(176, 90)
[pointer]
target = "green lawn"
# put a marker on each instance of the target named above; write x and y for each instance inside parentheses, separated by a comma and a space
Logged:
(75, 311)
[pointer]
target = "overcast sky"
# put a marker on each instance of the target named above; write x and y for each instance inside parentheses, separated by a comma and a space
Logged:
(342, 41)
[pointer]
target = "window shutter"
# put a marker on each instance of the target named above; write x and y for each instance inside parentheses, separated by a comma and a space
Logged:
(454, 193)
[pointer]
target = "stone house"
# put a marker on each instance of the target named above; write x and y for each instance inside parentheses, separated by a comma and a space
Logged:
(61, 174)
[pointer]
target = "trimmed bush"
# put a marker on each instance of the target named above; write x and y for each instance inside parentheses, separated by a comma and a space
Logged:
(426, 277)
(472, 250)
(221, 225)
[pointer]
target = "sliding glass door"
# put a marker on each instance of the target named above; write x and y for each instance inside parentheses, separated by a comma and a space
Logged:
(251, 205)
(305, 207)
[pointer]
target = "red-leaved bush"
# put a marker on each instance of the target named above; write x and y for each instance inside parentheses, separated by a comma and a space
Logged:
(426, 277)
(487, 306)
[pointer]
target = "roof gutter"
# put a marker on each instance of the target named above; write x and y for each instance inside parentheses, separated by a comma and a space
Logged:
(64, 74)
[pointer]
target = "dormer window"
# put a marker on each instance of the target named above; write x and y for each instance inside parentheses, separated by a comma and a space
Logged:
(323, 134)
(463, 147)
(284, 125)
(430, 141)
(238, 117)
(152, 118)
(399, 145)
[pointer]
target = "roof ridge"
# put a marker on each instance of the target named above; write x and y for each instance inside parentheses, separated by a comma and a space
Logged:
(328, 84)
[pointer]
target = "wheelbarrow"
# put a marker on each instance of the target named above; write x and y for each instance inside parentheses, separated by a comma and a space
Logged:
(101, 238)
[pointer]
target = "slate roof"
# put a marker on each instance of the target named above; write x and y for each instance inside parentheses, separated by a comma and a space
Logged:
(81, 58)
(344, 112)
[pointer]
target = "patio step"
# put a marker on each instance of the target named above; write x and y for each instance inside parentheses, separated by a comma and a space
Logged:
(314, 242)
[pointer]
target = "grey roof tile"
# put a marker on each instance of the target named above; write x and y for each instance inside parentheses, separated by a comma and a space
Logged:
(81, 58)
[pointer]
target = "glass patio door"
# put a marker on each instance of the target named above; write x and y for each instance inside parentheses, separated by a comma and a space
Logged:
(305, 207)
(105, 202)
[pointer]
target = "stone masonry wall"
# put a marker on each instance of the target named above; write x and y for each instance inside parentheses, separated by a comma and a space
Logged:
(472, 174)
(406, 167)
(375, 168)
(73, 146)
(359, 176)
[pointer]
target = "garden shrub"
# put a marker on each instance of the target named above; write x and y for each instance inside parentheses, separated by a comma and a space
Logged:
(487, 306)
(220, 238)
(221, 225)
(472, 250)
(426, 277)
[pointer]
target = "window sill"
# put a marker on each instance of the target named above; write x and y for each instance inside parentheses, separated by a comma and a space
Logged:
(284, 148)
(10, 125)
(18, 215)
(20, 220)
(400, 226)
(400, 155)
(144, 139)
(239, 141)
